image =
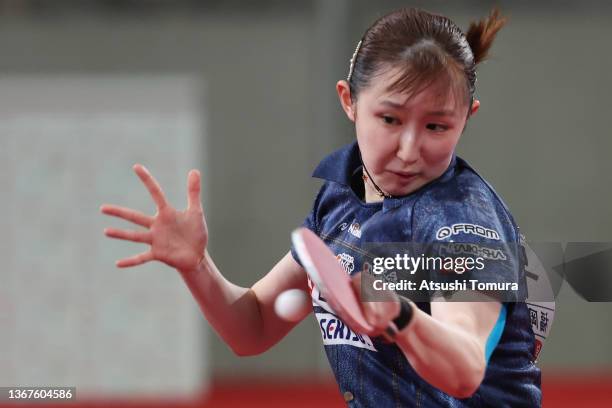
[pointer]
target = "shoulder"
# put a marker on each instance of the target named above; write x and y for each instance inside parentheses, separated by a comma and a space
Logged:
(329, 195)
(464, 206)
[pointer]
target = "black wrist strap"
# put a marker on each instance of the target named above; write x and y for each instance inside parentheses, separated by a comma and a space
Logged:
(405, 315)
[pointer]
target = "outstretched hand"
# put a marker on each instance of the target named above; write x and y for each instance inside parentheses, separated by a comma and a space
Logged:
(177, 238)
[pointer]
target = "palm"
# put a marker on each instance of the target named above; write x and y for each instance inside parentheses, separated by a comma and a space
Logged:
(177, 238)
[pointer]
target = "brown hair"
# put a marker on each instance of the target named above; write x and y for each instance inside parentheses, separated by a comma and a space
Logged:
(425, 47)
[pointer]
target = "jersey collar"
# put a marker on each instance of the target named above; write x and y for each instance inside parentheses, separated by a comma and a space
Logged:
(340, 165)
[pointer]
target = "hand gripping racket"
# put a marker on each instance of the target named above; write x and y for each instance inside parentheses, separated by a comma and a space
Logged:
(332, 280)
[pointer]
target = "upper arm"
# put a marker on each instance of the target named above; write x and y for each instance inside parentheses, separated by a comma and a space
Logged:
(474, 225)
(286, 274)
(477, 319)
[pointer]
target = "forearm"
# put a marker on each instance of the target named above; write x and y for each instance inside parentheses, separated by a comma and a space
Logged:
(443, 354)
(232, 310)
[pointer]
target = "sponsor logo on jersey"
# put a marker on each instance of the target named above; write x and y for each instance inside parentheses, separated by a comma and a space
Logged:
(541, 316)
(457, 248)
(347, 262)
(355, 230)
(455, 229)
(335, 332)
(343, 226)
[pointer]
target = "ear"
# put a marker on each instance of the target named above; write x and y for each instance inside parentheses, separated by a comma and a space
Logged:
(344, 94)
(475, 106)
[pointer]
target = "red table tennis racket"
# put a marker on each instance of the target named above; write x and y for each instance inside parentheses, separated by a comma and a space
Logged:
(332, 280)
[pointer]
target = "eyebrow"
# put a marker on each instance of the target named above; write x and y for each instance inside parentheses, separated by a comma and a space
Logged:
(392, 104)
(396, 105)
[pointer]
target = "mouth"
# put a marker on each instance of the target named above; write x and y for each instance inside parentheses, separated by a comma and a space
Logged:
(405, 176)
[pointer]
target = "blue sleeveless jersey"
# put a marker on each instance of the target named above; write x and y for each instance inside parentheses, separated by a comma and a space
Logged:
(373, 373)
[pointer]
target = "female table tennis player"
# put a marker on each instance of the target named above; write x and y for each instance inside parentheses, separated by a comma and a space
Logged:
(410, 92)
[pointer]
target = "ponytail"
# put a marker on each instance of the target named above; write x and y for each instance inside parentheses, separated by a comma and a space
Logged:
(481, 34)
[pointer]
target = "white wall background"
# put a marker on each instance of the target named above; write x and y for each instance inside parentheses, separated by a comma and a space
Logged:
(72, 318)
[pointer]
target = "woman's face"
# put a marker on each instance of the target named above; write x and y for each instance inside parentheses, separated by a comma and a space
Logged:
(406, 142)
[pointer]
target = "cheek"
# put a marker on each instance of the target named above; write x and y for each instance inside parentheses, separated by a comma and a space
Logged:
(437, 153)
(376, 145)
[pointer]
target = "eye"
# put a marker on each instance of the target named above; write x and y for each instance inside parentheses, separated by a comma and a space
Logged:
(389, 120)
(436, 127)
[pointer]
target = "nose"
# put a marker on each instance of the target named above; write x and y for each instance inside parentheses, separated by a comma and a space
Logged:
(409, 147)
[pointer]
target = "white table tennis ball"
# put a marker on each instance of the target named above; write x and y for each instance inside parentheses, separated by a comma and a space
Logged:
(292, 304)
